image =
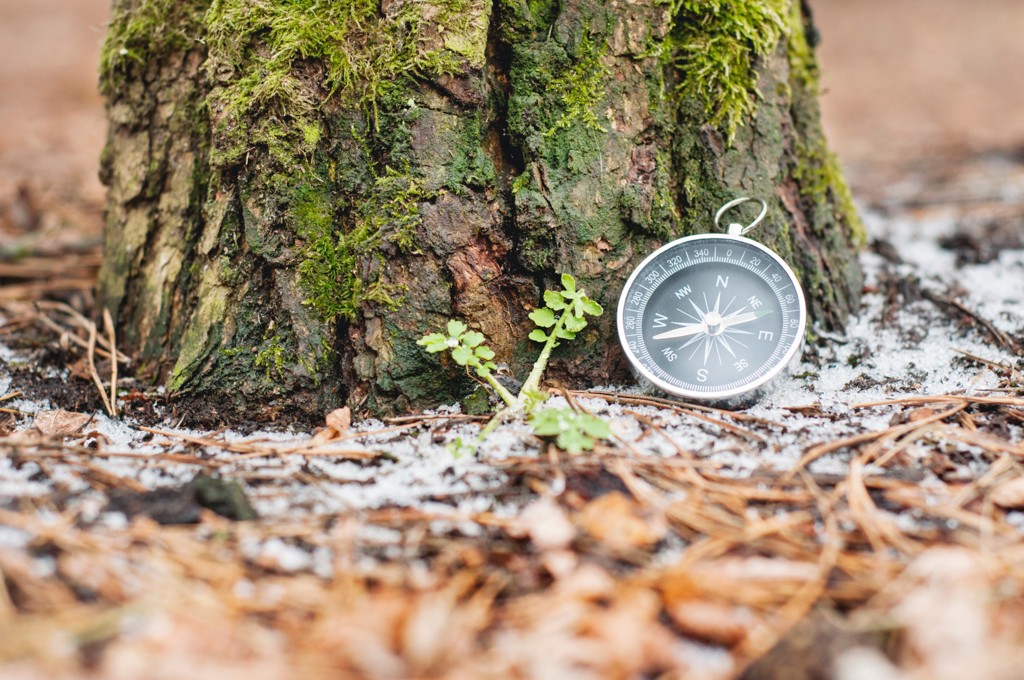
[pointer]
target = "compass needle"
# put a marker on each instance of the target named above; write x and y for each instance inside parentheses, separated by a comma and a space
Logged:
(728, 314)
(680, 332)
(744, 318)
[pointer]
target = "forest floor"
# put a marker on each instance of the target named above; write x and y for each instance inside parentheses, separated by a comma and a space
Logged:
(865, 521)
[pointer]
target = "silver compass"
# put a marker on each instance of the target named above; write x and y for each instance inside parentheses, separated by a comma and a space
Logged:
(712, 317)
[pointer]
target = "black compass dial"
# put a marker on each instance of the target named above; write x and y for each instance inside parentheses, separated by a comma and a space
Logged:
(711, 317)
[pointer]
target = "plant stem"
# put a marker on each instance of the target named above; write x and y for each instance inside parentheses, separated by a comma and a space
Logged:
(505, 395)
(492, 424)
(532, 383)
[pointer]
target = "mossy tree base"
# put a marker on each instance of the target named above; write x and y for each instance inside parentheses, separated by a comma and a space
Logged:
(299, 190)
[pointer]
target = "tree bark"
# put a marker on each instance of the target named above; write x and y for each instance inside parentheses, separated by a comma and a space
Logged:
(299, 189)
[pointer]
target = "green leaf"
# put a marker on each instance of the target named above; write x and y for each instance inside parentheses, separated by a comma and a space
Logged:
(484, 370)
(568, 283)
(538, 335)
(456, 328)
(548, 423)
(574, 432)
(594, 426)
(463, 355)
(592, 308)
(574, 324)
(565, 335)
(472, 339)
(553, 299)
(543, 317)
(574, 441)
(458, 448)
(484, 352)
(433, 342)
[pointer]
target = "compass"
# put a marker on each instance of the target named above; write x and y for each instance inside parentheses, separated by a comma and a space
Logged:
(712, 317)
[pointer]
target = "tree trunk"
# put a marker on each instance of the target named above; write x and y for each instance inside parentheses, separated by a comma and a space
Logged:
(299, 189)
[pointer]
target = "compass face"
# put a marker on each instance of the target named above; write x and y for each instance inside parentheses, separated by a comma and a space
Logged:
(711, 317)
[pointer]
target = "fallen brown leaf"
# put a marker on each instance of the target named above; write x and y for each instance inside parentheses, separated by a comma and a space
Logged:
(60, 422)
(340, 419)
(620, 523)
(338, 422)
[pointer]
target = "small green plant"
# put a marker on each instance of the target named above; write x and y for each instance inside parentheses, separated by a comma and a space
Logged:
(561, 318)
(574, 432)
(467, 350)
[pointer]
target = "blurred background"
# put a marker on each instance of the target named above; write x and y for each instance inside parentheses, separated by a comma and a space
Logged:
(908, 86)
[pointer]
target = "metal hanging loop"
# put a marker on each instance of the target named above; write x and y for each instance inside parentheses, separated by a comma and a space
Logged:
(738, 229)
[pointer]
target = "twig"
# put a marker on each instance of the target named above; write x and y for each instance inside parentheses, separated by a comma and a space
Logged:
(688, 409)
(250, 450)
(996, 470)
(1001, 338)
(81, 322)
(108, 323)
(987, 362)
(416, 419)
(943, 399)
(90, 356)
(819, 450)
(672, 404)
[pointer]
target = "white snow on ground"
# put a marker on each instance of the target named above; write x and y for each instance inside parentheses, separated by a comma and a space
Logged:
(886, 353)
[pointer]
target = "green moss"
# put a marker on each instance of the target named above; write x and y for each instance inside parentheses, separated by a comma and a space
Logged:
(273, 358)
(367, 58)
(581, 87)
(271, 101)
(802, 64)
(330, 270)
(470, 166)
(278, 355)
(820, 178)
(142, 30)
(556, 92)
(288, 87)
(715, 45)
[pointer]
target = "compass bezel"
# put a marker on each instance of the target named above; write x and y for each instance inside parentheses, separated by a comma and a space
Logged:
(712, 395)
